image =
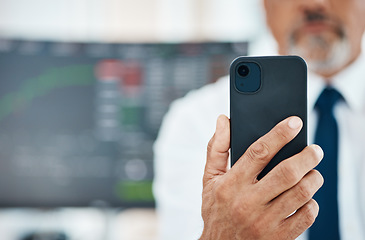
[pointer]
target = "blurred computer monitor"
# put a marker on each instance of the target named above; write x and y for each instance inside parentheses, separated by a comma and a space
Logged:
(78, 120)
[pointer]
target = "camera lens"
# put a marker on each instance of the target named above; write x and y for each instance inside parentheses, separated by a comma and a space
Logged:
(243, 71)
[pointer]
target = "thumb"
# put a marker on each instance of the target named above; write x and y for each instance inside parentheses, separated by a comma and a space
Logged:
(217, 150)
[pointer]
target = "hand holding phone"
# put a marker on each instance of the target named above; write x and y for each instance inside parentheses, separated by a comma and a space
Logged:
(237, 206)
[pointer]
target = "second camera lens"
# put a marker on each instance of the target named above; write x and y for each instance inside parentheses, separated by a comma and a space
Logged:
(243, 70)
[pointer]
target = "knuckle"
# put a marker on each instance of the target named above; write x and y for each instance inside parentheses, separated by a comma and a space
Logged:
(310, 214)
(305, 192)
(258, 151)
(210, 144)
(282, 133)
(307, 216)
(288, 174)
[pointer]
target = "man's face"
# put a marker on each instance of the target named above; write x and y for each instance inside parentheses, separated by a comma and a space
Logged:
(327, 33)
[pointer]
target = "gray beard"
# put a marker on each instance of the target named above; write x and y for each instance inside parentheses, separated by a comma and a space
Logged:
(337, 54)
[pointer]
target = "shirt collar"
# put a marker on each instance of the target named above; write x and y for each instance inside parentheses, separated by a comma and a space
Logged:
(350, 83)
(315, 87)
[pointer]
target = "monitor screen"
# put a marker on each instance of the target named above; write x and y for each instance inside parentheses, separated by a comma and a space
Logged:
(78, 120)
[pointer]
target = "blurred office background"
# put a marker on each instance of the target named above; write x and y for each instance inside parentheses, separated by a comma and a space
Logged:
(84, 85)
(132, 20)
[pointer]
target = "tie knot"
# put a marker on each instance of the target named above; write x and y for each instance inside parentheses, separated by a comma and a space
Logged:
(328, 99)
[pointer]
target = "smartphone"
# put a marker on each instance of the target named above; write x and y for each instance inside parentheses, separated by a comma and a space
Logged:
(263, 92)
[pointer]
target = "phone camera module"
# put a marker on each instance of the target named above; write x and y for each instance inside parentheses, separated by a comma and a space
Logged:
(247, 77)
(243, 70)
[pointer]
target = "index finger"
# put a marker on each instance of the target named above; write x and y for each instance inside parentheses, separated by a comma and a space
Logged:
(259, 154)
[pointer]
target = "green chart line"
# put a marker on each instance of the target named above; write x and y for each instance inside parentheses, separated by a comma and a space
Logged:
(54, 78)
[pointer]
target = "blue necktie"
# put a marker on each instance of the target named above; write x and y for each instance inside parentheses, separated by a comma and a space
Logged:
(326, 226)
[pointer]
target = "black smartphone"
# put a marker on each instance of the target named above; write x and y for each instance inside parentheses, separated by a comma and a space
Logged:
(263, 92)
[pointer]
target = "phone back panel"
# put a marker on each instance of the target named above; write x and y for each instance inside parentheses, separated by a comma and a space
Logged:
(283, 93)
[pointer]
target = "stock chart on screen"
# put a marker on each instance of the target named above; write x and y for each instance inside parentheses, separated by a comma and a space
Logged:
(78, 120)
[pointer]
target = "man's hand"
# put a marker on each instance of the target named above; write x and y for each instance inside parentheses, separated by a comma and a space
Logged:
(279, 206)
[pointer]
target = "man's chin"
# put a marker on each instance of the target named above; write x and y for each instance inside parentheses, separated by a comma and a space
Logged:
(324, 59)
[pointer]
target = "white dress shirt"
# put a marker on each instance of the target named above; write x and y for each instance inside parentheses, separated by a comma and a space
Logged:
(180, 153)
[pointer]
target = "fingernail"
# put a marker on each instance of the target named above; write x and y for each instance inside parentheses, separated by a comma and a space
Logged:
(294, 122)
(318, 151)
